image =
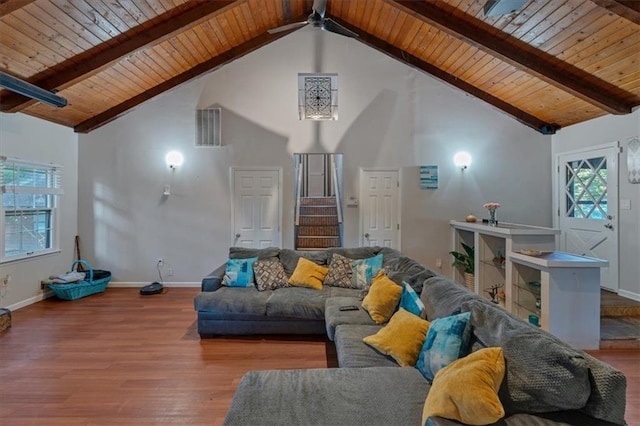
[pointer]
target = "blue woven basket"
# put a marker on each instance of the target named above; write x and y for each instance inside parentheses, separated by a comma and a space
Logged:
(84, 288)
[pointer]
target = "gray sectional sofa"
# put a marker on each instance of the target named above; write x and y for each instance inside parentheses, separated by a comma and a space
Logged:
(546, 381)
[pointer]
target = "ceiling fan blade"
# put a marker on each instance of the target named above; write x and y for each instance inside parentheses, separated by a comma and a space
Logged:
(332, 26)
(320, 7)
(292, 26)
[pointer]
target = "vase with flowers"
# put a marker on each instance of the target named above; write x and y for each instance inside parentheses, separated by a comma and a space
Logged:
(492, 207)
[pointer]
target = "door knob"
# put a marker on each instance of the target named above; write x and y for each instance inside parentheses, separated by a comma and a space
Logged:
(366, 235)
(238, 235)
(608, 226)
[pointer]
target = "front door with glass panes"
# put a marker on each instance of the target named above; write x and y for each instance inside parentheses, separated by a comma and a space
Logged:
(588, 207)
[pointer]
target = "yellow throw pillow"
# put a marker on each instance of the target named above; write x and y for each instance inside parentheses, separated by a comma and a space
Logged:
(402, 338)
(382, 299)
(467, 389)
(308, 274)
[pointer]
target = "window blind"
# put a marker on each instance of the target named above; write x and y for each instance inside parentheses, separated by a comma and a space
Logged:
(25, 177)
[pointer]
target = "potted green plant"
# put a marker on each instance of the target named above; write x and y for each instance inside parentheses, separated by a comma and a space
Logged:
(465, 260)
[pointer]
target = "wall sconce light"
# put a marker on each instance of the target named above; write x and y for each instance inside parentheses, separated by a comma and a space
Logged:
(462, 159)
(174, 159)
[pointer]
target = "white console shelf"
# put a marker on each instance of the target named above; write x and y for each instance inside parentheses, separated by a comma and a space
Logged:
(494, 242)
(567, 299)
(569, 295)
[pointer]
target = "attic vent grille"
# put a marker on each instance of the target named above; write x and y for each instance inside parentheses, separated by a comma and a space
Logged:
(208, 127)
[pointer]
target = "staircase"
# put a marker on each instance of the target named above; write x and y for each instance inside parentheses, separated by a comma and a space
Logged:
(319, 225)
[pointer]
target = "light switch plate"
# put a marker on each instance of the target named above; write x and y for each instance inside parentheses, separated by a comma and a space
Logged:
(625, 204)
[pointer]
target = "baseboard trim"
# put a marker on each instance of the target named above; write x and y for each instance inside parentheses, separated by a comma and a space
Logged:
(30, 301)
(129, 284)
(629, 295)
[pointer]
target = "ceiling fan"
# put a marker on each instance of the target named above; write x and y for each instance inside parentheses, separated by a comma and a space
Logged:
(317, 19)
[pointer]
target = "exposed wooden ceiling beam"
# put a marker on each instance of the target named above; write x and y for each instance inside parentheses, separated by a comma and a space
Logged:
(213, 63)
(628, 9)
(73, 70)
(415, 62)
(553, 71)
(8, 6)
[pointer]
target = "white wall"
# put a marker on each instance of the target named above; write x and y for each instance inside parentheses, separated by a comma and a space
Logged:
(389, 115)
(601, 131)
(38, 140)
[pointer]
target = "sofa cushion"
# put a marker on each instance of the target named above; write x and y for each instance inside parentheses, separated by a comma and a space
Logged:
(269, 274)
(352, 352)
(335, 396)
(344, 292)
(388, 256)
(543, 373)
(467, 389)
(297, 302)
(235, 300)
(410, 301)
(354, 252)
(289, 258)
(607, 400)
(308, 274)
(382, 299)
(239, 272)
(244, 252)
(446, 341)
(363, 270)
(401, 338)
(340, 272)
(442, 297)
(334, 317)
(403, 268)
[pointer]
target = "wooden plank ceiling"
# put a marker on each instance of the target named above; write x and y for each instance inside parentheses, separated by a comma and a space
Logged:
(552, 64)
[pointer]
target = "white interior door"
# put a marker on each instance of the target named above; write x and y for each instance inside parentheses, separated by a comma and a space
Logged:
(315, 175)
(256, 208)
(380, 208)
(588, 207)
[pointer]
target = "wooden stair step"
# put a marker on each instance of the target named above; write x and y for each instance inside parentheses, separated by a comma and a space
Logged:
(318, 220)
(318, 210)
(318, 242)
(319, 230)
(322, 201)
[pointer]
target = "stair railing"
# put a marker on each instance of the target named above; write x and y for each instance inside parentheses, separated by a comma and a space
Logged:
(298, 195)
(336, 185)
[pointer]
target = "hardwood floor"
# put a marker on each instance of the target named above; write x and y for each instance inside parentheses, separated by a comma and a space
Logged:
(121, 358)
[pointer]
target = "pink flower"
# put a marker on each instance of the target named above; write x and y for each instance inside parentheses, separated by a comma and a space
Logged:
(491, 206)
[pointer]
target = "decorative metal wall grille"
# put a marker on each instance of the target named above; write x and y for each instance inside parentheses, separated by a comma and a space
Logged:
(586, 188)
(318, 96)
(208, 127)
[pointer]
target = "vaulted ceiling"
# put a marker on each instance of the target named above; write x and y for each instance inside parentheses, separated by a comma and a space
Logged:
(551, 64)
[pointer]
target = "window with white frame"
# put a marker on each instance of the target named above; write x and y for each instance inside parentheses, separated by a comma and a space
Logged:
(28, 212)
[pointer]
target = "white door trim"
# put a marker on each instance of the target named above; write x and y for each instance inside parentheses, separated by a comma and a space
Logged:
(360, 195)
(557, 193)
(556, 176)
(232, 171)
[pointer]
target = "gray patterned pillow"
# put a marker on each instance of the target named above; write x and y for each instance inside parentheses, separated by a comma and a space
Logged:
(340, 272)
(269, 274)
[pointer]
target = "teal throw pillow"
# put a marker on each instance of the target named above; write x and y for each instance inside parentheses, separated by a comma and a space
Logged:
(239, 272)
(364, 270)
(410, 300)
(446, 341)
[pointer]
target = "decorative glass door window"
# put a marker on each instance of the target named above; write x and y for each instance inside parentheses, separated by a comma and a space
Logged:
(318, 96)
(586, 188)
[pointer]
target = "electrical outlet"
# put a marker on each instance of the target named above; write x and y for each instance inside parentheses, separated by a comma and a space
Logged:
(169, 272)
(160, 262)
(439, 263)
